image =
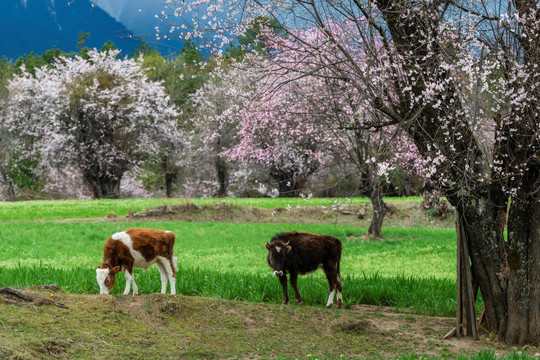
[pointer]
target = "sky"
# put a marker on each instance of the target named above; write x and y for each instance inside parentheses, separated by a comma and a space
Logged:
(139, 16)
(132, 13)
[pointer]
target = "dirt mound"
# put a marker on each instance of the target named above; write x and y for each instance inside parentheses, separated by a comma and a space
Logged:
(165, 326)
(404, 213)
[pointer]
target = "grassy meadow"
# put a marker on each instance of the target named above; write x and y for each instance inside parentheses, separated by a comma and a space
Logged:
(412, 268)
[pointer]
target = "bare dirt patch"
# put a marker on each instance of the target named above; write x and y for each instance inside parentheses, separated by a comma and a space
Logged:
(406, 213)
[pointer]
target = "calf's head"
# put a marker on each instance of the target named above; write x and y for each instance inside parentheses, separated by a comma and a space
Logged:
(106, 276)
(277, 251)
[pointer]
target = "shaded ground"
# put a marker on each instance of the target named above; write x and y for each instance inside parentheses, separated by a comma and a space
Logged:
(178, 327)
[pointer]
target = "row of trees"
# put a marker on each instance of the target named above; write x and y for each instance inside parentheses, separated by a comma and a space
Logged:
(73, 125)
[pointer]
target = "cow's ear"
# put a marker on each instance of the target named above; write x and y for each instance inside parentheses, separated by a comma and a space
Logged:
(114, 270)
(289, 248)
(268, 246)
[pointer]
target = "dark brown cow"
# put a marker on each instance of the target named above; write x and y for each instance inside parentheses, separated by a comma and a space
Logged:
(296, 253)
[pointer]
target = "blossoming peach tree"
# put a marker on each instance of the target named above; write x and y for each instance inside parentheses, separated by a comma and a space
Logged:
(98, 114)
(461, 79)
(294, 117)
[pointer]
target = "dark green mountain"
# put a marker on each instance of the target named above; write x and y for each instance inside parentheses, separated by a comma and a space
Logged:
(38, 25)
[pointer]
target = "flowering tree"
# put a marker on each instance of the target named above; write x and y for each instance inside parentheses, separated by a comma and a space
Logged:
(339, 111)
(461, 79)
(100, 115)
(265, 130)
(218, 103)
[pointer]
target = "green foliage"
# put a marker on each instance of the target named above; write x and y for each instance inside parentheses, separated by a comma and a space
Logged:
(182, 75)
(22, 174)
(33, 61)
(108, 46)
(6, 73)
(252, 40)
(82, 37)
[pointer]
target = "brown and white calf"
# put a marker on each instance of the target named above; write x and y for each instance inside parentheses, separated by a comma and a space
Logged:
(296, 253)
(138, 248)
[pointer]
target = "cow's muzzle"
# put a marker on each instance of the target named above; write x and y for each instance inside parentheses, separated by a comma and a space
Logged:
(278, 273)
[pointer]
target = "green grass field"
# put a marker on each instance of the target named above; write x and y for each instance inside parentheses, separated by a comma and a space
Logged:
(412, 268)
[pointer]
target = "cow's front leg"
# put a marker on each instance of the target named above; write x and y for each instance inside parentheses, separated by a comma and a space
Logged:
(294, 284)
(130, 280)
(128, 277)
(283, 281)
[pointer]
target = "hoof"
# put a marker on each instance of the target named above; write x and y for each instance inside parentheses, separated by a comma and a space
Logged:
(300, 303)
(328, 306)
(339, 304)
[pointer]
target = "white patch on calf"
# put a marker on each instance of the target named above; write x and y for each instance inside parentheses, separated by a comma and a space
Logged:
(124, 237)
(175, 263)
(101, 275)
(138, 260)
(330, 299)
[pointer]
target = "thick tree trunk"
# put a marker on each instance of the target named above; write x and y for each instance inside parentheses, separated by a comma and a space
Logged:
(524, 264)
(103, 186)
(222, 171)
(507, 272)
(379, 211)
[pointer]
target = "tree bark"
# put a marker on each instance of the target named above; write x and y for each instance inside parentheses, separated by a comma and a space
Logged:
(8, 184)
(524, 264)
(170, 174)
(379, 211)
(222, 171)
(103, 186)
(507, 272)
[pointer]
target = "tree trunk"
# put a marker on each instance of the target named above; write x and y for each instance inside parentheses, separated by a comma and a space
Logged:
(222, 170)
(170, 174)
(103, 186)
(379, 211)
(292, 187)
(524, 263)
(9, 185)
(508, 273)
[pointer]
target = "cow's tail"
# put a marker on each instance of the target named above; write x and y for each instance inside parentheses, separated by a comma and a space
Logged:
(175, 263)
(339, 259)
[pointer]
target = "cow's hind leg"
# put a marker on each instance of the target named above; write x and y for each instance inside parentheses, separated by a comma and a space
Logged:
(169, 273)
(164, 277)
(334, 284)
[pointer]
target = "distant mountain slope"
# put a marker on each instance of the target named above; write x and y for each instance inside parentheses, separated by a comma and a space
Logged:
(139, 16)
(37, 25)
